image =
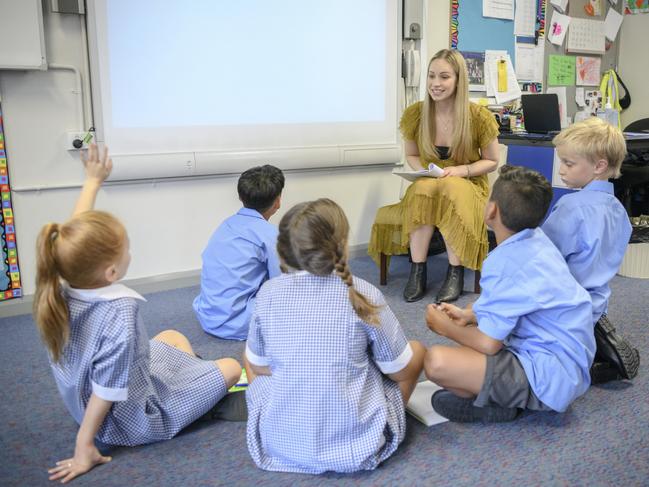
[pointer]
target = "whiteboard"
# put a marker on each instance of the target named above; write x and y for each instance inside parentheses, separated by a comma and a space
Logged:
(202, 87)
(22, 43)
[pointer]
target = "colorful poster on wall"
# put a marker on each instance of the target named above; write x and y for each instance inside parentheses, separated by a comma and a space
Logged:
(561, 70)
(588, 70)
(9, 272)
(636, 6)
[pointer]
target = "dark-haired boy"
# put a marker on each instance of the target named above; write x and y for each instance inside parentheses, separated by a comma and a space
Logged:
(240, 256)
(527, 342)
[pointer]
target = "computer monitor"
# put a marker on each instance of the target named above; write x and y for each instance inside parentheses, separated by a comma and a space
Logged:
(541, 113)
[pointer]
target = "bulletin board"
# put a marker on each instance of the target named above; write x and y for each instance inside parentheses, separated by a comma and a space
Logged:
(9, 273)
(470, 31)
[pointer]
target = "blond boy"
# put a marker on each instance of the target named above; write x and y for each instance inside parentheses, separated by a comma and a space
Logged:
(591, 229)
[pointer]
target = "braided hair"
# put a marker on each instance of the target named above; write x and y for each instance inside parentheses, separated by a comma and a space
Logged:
(313, 237)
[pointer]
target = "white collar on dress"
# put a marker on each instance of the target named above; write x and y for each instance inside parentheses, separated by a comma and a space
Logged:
(107, 293)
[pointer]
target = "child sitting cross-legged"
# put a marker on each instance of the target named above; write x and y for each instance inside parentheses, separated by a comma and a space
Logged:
(527, 342)
(240, 256)
(330, 368)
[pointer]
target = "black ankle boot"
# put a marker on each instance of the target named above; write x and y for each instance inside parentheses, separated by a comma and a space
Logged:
(453, 285)
(416, 286)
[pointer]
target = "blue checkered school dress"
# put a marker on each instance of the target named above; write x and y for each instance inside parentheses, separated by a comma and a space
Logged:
(327, 405)
(156, 389)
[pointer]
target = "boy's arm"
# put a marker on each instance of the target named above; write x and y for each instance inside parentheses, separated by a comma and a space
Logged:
(469, 336)
(97, 170)
(86, 455)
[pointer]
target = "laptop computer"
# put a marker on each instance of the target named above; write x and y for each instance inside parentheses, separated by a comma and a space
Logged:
(541, 113)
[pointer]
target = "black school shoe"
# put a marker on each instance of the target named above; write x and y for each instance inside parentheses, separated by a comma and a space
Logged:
(462, 410)
(232, 407)
(623, 360)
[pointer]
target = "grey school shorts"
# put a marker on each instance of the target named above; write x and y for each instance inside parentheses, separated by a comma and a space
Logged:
(506, 384)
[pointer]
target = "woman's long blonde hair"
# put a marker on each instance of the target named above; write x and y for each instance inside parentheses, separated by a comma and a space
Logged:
(78, 251)
(462, 139)
(313, 237)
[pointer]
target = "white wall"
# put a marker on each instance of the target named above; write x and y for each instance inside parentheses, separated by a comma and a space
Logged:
(169, 222)
(634, 65)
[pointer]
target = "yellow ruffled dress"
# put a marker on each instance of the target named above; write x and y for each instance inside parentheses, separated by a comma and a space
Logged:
(454, 205)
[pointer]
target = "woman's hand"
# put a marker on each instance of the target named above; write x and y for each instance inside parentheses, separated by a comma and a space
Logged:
(85, 458)
(459, 171)
(98, 167)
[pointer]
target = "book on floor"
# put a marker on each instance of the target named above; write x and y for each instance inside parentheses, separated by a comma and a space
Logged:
(433, 171)
(420, 407)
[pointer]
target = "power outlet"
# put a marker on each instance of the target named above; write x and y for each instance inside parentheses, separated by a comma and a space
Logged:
(75, 140)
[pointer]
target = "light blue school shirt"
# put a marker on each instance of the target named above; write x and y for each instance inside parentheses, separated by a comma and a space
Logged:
(239, 257)
(591, 229)
(531, 302)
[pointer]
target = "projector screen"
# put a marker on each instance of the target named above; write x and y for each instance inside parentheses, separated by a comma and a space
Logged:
(216, 86)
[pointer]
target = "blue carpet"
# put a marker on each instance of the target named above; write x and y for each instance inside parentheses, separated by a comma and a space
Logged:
(600, 440)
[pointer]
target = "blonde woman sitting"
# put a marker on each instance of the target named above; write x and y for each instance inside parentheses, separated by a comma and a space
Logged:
(461, 138)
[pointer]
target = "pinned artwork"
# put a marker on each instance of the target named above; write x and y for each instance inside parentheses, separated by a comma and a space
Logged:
(636, 6)
(588, 70)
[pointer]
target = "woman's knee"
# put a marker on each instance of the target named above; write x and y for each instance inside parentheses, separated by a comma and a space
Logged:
(231, 370)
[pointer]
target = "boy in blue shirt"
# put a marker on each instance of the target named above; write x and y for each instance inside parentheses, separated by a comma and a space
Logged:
(240, 256)
(591, 229)
(527, 342)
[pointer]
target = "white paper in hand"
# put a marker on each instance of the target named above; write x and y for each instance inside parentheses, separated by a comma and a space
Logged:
(433, 171)
(420, 406)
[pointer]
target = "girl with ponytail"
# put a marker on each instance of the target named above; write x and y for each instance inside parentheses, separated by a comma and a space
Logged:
(329, 365)
(120, 387)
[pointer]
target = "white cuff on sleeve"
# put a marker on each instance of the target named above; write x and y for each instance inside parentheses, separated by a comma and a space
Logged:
(109, 393)
(400, 363)
(255, 359)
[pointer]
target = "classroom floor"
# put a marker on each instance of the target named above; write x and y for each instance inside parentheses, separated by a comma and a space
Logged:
(600, 440)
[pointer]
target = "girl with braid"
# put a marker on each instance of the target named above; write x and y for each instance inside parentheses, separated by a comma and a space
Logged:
(329, 366)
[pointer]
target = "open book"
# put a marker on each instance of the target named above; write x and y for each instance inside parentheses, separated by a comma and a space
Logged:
(420, 406)
(433, 171)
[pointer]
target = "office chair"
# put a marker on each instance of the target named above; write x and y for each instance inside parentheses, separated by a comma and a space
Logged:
(641, 125)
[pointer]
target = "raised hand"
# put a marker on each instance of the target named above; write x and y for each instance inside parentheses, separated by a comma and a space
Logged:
(98, 166)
